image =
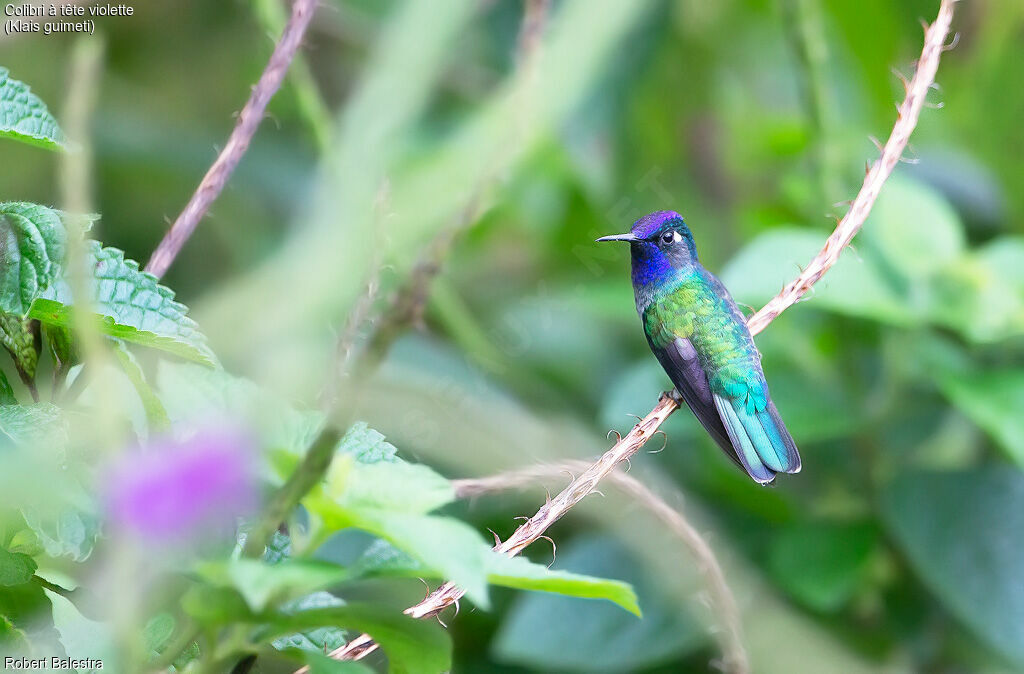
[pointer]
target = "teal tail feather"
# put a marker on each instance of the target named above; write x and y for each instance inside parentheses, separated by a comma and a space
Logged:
(762, 443)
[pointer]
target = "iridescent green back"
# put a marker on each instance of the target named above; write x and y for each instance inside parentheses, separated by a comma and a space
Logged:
(698, 308)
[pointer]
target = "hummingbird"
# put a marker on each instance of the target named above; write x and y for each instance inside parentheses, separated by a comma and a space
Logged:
(701, 339)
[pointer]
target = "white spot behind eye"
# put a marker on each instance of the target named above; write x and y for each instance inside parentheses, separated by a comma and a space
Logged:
(676, 237)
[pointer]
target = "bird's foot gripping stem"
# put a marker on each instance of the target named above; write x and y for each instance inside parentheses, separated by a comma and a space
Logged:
(674, 396)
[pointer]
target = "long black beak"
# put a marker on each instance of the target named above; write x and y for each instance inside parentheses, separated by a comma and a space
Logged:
(619, 237)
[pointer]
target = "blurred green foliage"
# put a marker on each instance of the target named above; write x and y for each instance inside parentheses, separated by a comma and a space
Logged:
(901, 377)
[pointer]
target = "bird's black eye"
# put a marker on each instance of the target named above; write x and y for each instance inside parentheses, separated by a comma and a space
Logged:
(669, 236)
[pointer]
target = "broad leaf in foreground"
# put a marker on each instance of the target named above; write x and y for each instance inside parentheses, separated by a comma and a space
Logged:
(562, 633)
(262, 584)
(412, 646)
(133, 307)
(24, 117)
(962, 532)
(32, 246)
(381, 559)
(993, 399)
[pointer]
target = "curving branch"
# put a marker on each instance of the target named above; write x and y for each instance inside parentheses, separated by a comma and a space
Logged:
(909, 111)
(248, 122)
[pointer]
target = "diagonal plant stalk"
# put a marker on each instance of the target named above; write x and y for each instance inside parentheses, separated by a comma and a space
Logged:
(909, 112)
(248, 122)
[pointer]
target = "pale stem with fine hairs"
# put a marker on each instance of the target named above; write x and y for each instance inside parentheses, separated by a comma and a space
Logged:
(917, 91)
(248, 122)
(909, 111)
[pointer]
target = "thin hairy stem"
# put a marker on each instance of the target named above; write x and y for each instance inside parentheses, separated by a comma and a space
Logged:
(248, 122)
(877, 174)
(586, 483)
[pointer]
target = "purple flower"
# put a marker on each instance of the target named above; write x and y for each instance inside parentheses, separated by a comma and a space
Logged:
(174, 490)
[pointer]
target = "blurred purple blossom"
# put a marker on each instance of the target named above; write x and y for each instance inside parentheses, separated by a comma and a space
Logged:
(173, 490)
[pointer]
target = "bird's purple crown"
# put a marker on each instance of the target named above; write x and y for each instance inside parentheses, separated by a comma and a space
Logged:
(651, 224)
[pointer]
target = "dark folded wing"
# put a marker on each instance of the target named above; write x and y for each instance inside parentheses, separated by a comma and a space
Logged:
(679, 359)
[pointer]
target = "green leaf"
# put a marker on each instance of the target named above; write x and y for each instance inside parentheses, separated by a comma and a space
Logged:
(397, 486)
(71, 532)
(822, 563)
(980, 295)
(382, 559)
(412, 646)
(318, 640)
(29, 425)
(452, 549)
(81, 637)
(994, 400)
(960, 532)
(193, 394)
(24, 117)
(27, 609)
(914, 228)
(156, 415)
(132, 305)
(12, 639)
(15, 567)
(855, 286)
(367, 445)
(265, 584)
(321, 664)
(216, 605)
(522, 574)
(33, 242)
(562, 633)
(6, 392)
(158, 632)
(20, 338)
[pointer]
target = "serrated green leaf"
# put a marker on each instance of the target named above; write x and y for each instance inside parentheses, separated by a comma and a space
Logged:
(453, 549)
(132, 305)
(33, 243)
(367, 445)
(960, 532)
(156, 416)
(6, 392)
(19, 338)
(15, 567)
(25, 118)
(412, 646)
(317, 640)
(31, 424)
(263, 584)
(399, 486)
